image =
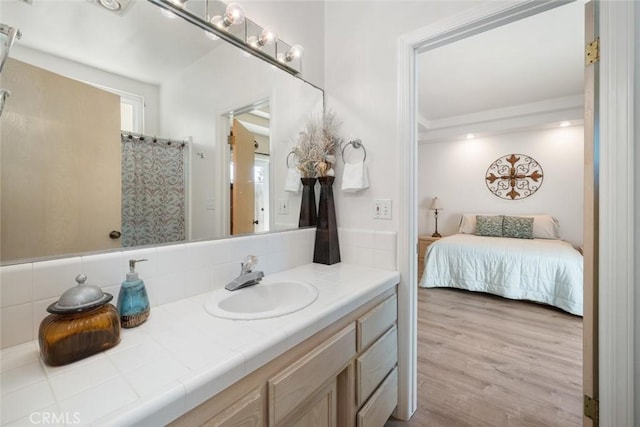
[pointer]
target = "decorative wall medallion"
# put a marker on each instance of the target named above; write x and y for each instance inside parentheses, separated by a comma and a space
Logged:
(514, 176)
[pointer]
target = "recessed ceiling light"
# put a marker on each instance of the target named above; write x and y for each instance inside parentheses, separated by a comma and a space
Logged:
(565, 124)
(470, 136)
(113, 5)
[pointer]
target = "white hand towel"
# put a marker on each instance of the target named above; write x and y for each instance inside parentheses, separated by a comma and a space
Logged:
(355, 177)
(293, 182)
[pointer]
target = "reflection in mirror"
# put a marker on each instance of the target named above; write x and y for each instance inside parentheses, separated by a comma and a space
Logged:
(249, 151)
(84, 79)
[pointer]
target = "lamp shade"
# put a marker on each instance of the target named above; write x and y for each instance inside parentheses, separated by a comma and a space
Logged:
(435, 204)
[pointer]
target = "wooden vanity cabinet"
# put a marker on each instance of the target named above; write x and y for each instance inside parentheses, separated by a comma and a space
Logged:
(291, 388)
(322, 412)
(247, 412)
(376, 365)
(345, 375)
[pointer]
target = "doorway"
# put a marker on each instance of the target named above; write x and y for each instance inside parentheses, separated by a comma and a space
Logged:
(481, 19)
(249, 169)
(516, 88)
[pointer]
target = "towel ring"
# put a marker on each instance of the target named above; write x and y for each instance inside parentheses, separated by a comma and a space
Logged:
(289, 155)
(356, 143)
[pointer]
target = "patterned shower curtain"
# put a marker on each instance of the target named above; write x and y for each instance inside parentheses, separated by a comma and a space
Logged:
(153, 191)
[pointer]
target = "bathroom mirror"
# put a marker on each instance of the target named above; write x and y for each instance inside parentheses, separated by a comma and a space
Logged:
(80, 75)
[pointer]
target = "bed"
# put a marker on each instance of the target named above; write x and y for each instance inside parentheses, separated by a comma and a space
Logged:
(545, 270)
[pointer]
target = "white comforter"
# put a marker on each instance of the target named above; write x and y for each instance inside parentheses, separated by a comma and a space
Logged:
(541, 270)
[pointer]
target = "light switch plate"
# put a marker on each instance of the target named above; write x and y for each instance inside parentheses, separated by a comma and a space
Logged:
(283, 206)
(382, 209)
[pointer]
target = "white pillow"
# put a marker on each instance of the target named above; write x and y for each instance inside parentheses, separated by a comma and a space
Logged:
(544, 226)
(468, 223)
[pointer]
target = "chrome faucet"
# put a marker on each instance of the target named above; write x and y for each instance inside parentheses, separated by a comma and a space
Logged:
(247, 276)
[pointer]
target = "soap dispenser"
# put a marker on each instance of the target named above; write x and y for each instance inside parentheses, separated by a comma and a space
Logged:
(133, 302)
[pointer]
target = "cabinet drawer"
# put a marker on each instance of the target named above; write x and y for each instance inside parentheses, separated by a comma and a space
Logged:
(375, 322)
(379, 408)
(374, 365)
(295, 384)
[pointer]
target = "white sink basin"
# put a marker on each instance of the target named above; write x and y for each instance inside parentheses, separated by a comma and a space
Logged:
(261, 301)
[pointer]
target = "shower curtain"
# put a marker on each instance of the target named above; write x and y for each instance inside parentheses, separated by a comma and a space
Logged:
(153, 191)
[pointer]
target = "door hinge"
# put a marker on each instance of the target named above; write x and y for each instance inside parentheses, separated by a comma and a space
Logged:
(592, 52)
(230, 139)
(591, 408)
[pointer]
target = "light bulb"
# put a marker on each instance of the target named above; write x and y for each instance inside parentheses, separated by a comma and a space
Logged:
(293, 53)
(234, 14)
(253, 42)
(218, 21)
(470, 136)
(268, 36)
(565, 124)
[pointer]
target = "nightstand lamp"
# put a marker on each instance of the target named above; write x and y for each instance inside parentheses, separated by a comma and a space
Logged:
(436, 206)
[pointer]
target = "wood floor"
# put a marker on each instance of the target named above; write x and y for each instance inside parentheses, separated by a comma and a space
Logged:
(487, 361)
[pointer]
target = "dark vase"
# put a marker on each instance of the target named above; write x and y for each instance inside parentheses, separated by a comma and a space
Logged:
(327, 248)
(308, 212)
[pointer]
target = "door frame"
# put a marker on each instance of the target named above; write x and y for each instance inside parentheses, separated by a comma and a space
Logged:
(616, 302)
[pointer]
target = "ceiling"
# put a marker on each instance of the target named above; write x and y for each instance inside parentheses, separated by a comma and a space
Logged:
(528, 73)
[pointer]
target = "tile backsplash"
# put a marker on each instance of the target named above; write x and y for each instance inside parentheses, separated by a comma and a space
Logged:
(172, 272)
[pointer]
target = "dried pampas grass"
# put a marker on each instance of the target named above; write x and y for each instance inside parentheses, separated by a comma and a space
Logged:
(315, 150)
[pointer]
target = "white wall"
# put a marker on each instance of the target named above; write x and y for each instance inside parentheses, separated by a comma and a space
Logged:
(91, 75)
(361, 87)
(454, 171)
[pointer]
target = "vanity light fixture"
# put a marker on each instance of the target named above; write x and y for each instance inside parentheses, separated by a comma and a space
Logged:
(267, 36)
(210, 35)
(233, 15)
(167, 13)
(231, 25)
(294, 53)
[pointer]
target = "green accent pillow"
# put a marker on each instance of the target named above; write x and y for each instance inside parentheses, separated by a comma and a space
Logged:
(517, 227)
(489, 225)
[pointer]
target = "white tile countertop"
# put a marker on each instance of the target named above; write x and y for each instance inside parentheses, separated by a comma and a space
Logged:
(179, 358)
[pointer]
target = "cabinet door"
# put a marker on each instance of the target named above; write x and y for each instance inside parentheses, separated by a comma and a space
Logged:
(322, 412)
(293, 387)
(247, 412)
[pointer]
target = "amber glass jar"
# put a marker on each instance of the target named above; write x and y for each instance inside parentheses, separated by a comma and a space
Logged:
(65, 338)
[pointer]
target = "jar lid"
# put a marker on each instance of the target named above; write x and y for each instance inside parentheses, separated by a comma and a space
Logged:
(79, 298)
